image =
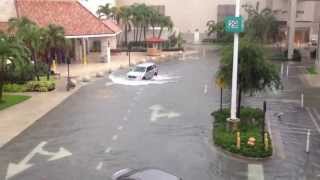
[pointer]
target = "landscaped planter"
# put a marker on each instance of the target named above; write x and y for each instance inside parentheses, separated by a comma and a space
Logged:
(250, 126)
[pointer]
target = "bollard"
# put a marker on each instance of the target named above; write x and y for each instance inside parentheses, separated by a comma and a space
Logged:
(238, 140)
(302, 100)
(266, 142)
(287, 70)
(308, 141)
(281, 69)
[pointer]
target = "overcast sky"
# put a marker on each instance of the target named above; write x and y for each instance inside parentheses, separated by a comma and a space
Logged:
(93, 5)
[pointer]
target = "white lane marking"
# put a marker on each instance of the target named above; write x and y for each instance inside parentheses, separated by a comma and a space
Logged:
(120, 128)
(114, 137)
(108, 150)
(255, 172)
(313, 118)
(99, 166)
(24, 164)
(205, 89)
(125, 118)
(280, 148)
(109, 83)
(155, 115)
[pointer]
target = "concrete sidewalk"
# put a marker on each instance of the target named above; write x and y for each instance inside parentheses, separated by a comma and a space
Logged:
(16, 119)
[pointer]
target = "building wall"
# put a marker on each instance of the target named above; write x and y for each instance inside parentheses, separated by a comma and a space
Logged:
(187, 15)
(7, 10)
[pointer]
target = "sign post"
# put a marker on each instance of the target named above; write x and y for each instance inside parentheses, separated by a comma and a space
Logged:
(234, 25)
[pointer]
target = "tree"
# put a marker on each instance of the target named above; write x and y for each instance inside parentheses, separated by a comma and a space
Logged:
(12, 53)
(165, 21)
(104, 11)
(53, 38)
(29, 33)
(261, 25)
(218, 28)
(255, 73)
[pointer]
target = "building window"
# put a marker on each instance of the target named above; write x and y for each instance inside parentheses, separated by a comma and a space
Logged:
(225, 10)
(160, 9)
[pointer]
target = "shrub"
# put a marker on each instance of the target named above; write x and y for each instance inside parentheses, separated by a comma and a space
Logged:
(312, 70)
(40, 86)
(296, 55)
(248, 128)
(14, 88)
(20, 74)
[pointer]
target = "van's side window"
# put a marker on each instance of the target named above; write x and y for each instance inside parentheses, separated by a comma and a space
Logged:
(149, 68)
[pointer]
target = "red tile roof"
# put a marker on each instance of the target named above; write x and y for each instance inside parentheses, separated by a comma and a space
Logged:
(70, 14)
(113, 26)
(4, 26)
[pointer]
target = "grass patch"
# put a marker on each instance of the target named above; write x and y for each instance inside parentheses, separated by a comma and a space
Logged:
(10, 100)
(312, 70)
(250, 126)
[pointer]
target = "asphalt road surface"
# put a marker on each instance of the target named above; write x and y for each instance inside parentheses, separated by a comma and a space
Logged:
(107, 126)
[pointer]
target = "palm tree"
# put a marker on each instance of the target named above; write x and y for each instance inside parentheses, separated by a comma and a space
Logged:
(29, 33)
(124, 14)
(53, 38)
(104, 11)
(19, 25)
(165, 21)
(12, 53)
(261, 25)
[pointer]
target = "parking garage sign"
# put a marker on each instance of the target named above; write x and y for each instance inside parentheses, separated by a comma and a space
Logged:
(234, 24)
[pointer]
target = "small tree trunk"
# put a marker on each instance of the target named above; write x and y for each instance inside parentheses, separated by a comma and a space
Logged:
(1, 78)
(141, 31)
(35, 66)
(221, 99)
(153, 29)
(126, 34)
(144, 32)
(160, 33)
(239, 102)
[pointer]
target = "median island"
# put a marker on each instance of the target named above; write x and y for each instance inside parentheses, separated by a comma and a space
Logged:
(250, 140)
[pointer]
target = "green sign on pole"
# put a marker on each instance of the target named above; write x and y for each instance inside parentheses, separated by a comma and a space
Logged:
(234, 24)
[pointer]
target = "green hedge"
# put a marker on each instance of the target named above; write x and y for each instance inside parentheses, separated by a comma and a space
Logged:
(40, 86)
(250, 126)
(14, 88)
(31, 86)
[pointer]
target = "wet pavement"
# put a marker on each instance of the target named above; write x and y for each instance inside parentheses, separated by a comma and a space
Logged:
(107, 126)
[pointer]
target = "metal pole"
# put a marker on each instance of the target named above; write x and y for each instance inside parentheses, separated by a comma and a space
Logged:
(308, 141)
(302, 99)
(287, 70)
(318, 44)
(68, 79)
(221, 91)
(235, 69)
(282, 68)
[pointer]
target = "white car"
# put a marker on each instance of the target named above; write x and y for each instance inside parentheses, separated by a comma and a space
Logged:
(143, 71)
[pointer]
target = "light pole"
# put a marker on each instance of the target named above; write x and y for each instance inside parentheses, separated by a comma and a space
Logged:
(233, 120)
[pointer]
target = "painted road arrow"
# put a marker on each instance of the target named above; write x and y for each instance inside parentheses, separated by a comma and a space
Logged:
(17, 168)
(156, 114)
